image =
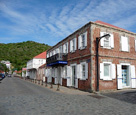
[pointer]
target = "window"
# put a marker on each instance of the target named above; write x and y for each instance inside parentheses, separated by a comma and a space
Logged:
(73, 45)
(60, 49)
(82, 41)
(73, 42)
(65, 71)
(65, 48)
(107, 42)
(107, 71)
(135, 45)
(47, 55)
(83, 70)
(124, 44)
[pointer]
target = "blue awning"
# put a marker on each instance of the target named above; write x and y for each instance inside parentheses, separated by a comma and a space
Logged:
(58, 62)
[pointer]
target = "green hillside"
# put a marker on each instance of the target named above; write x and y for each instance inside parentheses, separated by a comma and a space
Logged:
(19, 53)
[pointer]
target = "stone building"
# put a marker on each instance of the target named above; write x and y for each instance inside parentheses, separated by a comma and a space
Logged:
(72, 61)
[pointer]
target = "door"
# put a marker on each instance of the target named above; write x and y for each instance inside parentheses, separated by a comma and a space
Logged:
(73, 75)
(125, 76)
(119, 77)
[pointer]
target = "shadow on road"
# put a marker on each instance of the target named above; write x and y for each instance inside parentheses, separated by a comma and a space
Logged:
(127, 96)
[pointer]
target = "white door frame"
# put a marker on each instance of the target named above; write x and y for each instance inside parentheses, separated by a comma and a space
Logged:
(75, 79)
(126, 64)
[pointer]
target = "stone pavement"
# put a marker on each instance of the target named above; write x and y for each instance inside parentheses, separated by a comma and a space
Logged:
(20, 97)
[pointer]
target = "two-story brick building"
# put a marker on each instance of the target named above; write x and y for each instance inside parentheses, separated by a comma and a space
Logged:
(72, 61)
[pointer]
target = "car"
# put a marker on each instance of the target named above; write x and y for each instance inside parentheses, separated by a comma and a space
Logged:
(9, 75)
(2, 76)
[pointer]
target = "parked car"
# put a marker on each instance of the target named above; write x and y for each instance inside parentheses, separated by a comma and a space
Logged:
(9, 75)
(2, 76)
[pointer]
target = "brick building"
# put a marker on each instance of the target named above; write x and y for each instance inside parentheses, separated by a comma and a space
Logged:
(72, 61)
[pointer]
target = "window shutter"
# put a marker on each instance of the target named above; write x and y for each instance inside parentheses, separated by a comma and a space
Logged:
(61, 72)
(69, 76)
(113, 71)
(75, 43)
(112, 40)
(79, 42)
(102, 40)
(86, 70)
(64, 48)
(86, 38)
(101, 71)
(124, 43)
(70, 45)
(119, 76)
(78, 70)
(133, 76)
(135, 45)
(67, 47)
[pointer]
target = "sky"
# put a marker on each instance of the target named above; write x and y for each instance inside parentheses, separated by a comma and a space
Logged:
(50, 21)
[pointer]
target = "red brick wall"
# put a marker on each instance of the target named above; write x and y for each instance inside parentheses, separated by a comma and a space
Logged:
(53, 80)
(64, 82)
(84, 85)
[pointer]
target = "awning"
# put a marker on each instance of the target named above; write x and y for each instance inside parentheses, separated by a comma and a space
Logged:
(58, 62)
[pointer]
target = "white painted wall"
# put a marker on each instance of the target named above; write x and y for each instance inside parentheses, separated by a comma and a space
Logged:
(35, 63)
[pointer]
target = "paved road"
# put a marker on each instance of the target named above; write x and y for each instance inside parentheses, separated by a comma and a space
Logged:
(19, 97)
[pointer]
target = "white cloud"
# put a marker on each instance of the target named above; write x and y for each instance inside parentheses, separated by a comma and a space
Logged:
(58, 22)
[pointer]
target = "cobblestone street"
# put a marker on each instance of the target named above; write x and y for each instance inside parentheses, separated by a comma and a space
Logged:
(20, 97)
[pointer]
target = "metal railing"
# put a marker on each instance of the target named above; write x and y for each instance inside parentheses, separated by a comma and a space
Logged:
(57, 57)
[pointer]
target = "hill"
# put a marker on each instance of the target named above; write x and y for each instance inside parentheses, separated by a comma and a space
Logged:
(19, 53)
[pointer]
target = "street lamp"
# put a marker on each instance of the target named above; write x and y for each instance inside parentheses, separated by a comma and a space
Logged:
(97, 57)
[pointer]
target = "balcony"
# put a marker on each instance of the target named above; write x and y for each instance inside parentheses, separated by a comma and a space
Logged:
(59, 57)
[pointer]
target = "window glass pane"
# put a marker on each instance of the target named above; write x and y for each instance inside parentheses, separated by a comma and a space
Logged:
(106, 70)
(106, 42)
(83, 40)
(83, 70)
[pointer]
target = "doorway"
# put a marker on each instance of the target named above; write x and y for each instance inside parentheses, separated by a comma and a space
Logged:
(73, 75)
(125, 76)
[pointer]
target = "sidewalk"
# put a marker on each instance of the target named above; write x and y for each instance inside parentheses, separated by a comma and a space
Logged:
(62, 89)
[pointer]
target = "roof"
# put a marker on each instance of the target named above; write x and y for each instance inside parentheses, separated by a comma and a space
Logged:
(41, 55)
(104, 23)
(42, 66)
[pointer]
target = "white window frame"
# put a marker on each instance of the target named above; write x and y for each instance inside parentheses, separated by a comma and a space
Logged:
(73, 45)
(82, 44)
(109, 67)
(102, 71)
(83, 72)
(83, 40)
(86, 70)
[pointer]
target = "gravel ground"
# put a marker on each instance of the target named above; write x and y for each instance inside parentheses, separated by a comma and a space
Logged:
(20, 97)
